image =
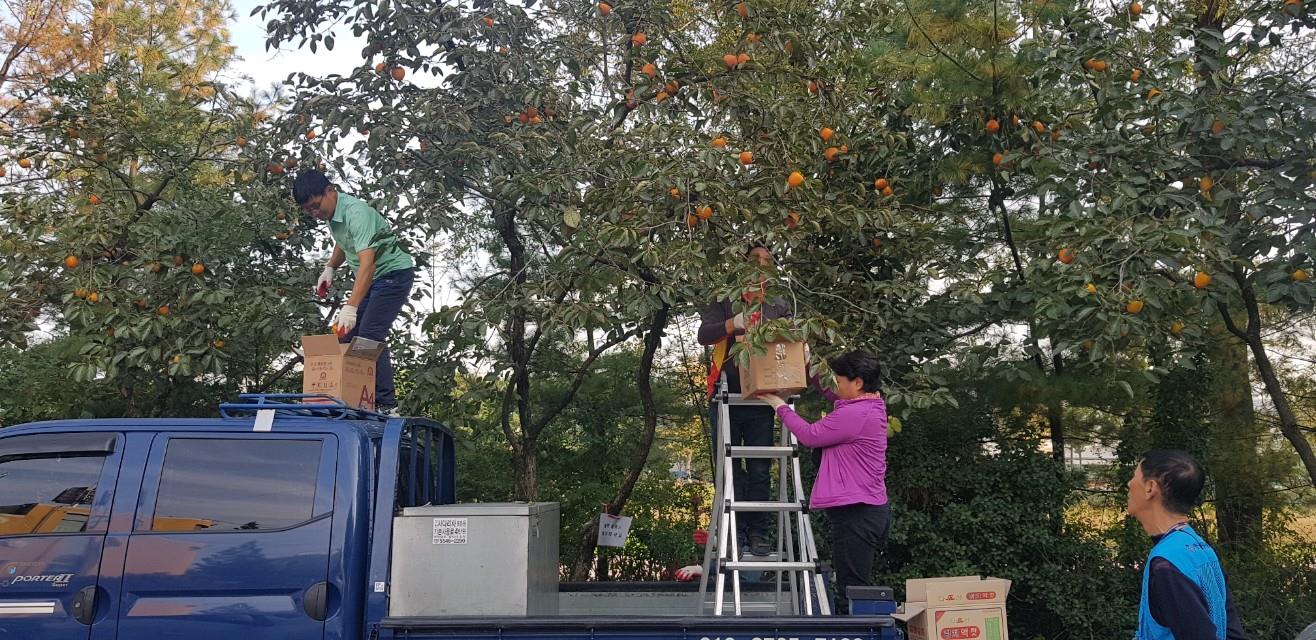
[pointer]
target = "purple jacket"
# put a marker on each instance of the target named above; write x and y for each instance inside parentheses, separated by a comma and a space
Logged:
(853, 440)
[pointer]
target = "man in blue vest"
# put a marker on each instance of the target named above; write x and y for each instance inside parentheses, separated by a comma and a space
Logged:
(1184, 593)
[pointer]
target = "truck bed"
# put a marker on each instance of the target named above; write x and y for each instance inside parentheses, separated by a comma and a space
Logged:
(646, 628)
(649, 611)
(662, 599)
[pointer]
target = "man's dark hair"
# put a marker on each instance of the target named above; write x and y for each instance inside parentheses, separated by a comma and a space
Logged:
(309, 183)
(1179, 476)
(859, 364)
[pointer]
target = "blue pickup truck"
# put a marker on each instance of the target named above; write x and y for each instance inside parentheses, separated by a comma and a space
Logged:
(272, 521)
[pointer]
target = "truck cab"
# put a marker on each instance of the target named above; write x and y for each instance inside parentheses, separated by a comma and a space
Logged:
(272, 521)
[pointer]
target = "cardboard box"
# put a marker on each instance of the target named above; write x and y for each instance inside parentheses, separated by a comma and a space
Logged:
(781, 370)
(959, 608)
(343, 371)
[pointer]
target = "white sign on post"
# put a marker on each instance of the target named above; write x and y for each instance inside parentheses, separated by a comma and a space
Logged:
(613, 530)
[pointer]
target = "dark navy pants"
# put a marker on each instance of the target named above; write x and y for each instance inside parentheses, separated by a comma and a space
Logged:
(374, 319)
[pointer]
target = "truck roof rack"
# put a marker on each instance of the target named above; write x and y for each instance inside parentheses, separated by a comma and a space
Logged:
(297, 404)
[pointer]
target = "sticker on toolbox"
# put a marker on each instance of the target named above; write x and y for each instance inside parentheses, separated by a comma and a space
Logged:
(449, 531)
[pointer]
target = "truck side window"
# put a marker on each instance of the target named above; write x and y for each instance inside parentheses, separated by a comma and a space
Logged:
(416, 484)
(47, 484)
(404, 479)
(236, 485)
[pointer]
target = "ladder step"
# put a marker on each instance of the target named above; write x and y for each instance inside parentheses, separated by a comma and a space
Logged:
(768, 565)
(766, 506)
(762, 452)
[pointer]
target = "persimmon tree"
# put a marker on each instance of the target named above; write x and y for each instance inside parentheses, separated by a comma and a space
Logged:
(140, 221)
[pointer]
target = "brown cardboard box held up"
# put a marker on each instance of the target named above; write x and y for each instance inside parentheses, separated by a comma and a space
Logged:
(965, 607)
(780, 370)
(344, 371)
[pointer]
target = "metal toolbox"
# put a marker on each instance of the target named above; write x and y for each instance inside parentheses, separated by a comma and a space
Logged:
(497, 559)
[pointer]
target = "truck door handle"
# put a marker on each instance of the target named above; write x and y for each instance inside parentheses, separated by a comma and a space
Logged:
(315, 602)
(84, 605)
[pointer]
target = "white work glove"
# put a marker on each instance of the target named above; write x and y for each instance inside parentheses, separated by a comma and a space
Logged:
(689, 573)
(345, 320)
(326, 278)
(738, 321)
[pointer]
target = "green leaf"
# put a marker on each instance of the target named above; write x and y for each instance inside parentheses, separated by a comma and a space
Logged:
(1128, 389)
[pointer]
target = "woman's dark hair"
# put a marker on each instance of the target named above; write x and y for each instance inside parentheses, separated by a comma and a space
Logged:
(859, 364)
(309, 183)
(1179, 476)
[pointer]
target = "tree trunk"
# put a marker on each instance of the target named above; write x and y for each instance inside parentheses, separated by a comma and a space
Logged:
(644, 383)
(523, 441)
(1054, 413)
(526, 474)
(1288, 422)
(1055, 416)
(1233, 456)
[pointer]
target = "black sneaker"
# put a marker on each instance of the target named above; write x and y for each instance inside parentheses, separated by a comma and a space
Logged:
(759, 545)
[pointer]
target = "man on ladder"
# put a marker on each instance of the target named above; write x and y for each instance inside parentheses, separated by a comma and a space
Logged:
(751, 425)
(745, 448)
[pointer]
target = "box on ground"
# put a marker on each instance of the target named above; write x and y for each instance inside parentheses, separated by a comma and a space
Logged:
(343, 371)
(780, 370)
(964, 607)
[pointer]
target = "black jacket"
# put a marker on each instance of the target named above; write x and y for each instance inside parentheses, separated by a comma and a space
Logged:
(713, 328)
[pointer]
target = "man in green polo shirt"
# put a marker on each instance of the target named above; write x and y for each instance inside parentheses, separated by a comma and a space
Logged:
(384, 272)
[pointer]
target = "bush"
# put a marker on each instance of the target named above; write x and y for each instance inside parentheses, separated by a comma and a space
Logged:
(1274, 587)
(973, 496)
(661, 541)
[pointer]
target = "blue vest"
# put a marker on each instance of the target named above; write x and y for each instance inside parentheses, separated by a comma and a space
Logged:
(1193, 557)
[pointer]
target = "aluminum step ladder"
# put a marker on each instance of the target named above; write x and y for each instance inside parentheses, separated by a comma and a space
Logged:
(796, 558)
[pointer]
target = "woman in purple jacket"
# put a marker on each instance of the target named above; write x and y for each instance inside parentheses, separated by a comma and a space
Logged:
(851, 482)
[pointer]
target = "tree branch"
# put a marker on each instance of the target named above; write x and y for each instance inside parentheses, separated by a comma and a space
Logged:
(278, 375)
(1229, 321)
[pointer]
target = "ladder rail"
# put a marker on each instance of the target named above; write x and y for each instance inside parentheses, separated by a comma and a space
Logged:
(731, 551)
(785, 541)
(713, 516)
(723, 438)
(785, 439)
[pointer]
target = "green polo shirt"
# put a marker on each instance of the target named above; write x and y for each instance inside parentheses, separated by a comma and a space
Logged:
(356, 226)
